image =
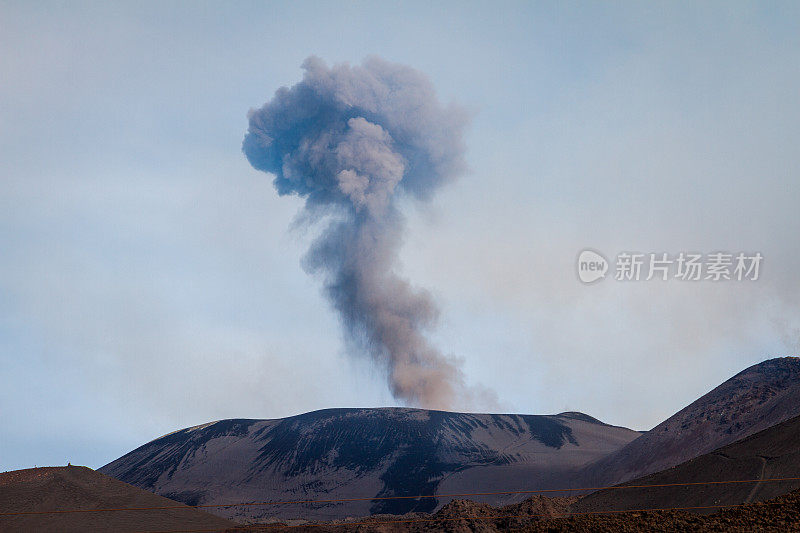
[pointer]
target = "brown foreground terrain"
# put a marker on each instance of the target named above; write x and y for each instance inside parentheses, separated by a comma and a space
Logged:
(536, 515)
(30, 491)
(25, 494)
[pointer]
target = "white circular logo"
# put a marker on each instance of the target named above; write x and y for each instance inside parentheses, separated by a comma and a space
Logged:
(591, 266)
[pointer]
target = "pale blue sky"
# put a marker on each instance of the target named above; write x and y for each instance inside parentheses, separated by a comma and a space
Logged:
(149, 278)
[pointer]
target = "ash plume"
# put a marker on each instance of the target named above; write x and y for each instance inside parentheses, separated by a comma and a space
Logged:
(351, 140)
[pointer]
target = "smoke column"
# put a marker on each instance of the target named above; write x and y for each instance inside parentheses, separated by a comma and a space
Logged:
(351, 140)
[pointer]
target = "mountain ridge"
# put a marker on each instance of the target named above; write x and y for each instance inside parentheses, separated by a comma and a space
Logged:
(358, 453)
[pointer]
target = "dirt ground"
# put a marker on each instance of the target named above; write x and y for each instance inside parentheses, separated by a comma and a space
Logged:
(540, 515)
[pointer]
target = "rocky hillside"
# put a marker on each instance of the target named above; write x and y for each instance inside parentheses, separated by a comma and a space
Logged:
(769, 455)
(778, 515)
(757, 398)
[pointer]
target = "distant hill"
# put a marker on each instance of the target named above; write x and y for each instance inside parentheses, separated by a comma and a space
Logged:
(77, 487)
(769, 454)
(759, 397)
(356, 453)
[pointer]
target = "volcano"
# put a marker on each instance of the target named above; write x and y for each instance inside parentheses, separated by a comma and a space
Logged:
(365, 453)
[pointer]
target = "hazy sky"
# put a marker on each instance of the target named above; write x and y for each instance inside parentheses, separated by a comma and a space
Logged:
(150, 278)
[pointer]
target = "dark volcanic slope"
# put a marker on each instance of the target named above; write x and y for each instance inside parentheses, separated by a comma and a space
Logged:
(352, 453)
(77, 487)
(759, 397)
(769, 454)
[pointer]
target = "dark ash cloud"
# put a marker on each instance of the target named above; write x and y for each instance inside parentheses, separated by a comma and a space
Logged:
(351, 140)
